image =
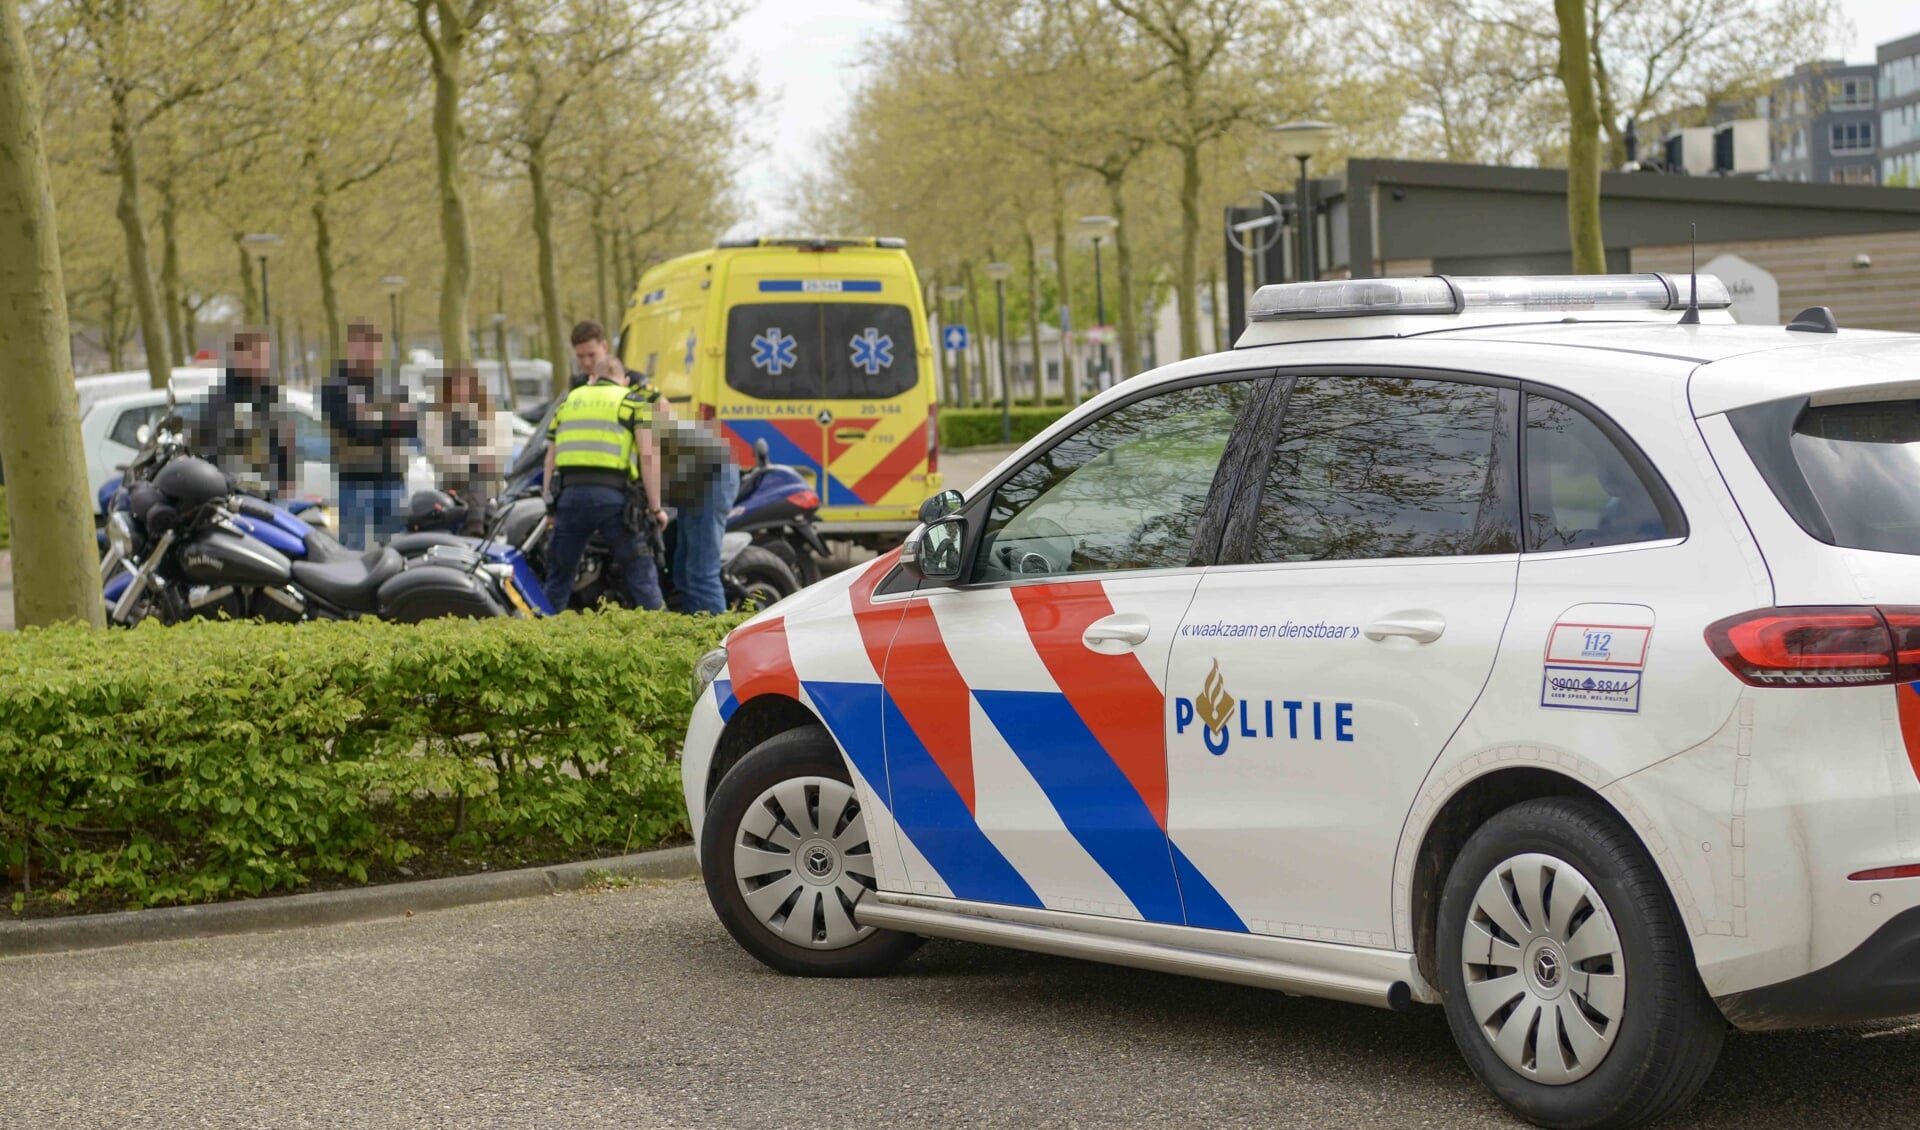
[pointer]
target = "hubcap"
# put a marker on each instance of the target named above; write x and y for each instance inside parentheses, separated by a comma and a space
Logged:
(1545, 976)
(802, 860)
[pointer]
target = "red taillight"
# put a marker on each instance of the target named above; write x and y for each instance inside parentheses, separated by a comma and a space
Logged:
(1904, 871)
(707, 412)
(1819, 646)
(933, 437)
(805, 499)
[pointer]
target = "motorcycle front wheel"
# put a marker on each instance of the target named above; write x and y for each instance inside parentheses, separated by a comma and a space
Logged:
(757, 579)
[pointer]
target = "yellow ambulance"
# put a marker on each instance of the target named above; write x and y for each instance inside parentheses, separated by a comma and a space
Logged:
(818, 347)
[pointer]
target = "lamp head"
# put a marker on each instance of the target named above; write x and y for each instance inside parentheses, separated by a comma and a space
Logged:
(262, 245)
(393, 284)
(953, 293)
(1304, 140)
(1098, 227)
(999, 272)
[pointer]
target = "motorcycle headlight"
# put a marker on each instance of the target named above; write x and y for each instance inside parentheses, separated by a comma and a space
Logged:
(120, 533)
(706, 669)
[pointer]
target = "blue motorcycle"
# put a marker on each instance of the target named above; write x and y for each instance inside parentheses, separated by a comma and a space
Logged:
(181, 543)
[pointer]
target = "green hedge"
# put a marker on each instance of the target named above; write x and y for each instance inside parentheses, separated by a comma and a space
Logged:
(973, 427)
(209, 760)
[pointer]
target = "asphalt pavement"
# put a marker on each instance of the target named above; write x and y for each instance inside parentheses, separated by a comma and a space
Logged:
(633, 1008)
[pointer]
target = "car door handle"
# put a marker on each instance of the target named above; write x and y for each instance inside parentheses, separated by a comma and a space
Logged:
(1116, 634)
(1420, 627)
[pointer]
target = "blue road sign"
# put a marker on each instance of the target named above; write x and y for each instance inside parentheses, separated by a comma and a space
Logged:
(954, 337)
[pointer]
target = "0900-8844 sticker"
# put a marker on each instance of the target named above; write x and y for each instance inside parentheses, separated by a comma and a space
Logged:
(1594, 667)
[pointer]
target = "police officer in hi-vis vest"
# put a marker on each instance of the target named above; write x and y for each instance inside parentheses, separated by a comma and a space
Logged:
(598, 443)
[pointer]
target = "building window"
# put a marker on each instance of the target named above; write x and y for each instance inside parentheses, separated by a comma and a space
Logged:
(1853, 174)
(1852, 137)
(1900, 125)
(1850, 94)
(1900, 77)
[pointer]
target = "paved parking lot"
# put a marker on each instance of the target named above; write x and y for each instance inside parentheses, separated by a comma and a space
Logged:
(633, 1008)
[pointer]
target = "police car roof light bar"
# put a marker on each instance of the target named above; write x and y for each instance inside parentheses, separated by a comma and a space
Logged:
(1457, 294)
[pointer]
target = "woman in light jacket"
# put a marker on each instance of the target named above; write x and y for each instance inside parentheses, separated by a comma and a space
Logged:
(468, 441)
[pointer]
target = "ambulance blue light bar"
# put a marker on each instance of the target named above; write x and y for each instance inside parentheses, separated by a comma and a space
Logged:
(1457, 294)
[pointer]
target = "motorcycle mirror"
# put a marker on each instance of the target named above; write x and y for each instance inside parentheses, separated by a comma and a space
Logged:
(143, 433)
(759, 452)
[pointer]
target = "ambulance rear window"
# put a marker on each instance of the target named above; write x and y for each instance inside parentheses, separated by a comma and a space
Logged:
(821, 350)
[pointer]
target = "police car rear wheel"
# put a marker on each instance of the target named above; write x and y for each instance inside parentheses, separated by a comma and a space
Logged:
(785, 857)
(1568, 977)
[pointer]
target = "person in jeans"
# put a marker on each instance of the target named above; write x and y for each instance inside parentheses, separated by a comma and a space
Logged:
(599, 443)
(371, 433)
(703, 481)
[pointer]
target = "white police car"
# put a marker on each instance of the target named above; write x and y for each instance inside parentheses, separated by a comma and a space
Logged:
(1519, 645)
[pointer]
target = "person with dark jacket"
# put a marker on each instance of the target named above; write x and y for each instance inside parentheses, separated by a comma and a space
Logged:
(244, 428)
(371, 432)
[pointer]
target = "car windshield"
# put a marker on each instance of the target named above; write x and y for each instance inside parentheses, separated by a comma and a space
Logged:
(1862, 463)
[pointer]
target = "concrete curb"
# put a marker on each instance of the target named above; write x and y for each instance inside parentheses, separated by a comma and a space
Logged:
(326, 908)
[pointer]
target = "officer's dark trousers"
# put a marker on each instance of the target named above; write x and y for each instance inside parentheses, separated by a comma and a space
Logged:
(581, 512)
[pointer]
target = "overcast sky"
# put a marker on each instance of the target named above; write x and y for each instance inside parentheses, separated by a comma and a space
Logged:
(805, 53)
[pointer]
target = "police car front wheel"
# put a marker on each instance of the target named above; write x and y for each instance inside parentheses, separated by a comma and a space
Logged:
(1569, 980)
(785, 856)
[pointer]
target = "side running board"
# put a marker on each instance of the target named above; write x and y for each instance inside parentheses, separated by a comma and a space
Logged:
(1312, 969)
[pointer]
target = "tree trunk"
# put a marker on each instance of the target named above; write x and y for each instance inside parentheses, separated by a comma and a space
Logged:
(1033, 323)
(115, 337)
(1188, 298)
(1583, 146)
(983, 385)
(549, 264)
(55, 565)
(171, 307)
(126, 164)
(456, 235)
(249, 290)
(323, 259)
(1069, 388)
(190, 327)
(599, 228)
(1127, 323)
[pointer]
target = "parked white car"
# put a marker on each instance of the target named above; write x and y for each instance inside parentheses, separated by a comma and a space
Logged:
(110, 433)
(1520, 646)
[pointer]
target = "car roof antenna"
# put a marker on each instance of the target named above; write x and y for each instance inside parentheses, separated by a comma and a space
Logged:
(1692, 316)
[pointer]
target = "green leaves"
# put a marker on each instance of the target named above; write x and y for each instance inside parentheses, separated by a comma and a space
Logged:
(195, 762)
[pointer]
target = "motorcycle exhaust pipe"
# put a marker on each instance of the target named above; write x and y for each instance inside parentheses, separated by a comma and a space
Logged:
(123, 607)
(287, 598)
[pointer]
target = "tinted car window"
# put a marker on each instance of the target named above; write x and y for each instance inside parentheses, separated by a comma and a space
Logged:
(825, 350)
(1378, 467)
(1124, 492)
(1862, 462)
(1582, 490)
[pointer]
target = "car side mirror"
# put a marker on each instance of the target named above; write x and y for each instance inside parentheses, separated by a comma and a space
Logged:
(940, 505)
(932, 552)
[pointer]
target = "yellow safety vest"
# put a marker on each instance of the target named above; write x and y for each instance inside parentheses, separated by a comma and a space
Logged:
(593, 428)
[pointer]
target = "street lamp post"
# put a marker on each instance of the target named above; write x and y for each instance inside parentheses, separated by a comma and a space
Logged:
(1099, 227)
(953, 293)
(393, 285)
(1303, 141)
(1000, 273)
(262, 246)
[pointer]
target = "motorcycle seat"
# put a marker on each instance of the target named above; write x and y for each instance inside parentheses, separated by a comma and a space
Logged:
(407, 545)
(352, 583)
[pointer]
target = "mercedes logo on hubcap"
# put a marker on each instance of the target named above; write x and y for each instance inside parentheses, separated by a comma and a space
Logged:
(1546, 967)
(819, 862)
